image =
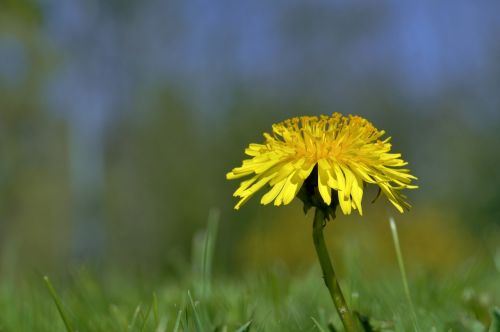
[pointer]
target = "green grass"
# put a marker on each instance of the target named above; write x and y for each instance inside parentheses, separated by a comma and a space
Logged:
(273, 299)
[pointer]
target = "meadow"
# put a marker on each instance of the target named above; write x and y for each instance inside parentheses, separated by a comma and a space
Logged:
(195, 298)
(122, 121)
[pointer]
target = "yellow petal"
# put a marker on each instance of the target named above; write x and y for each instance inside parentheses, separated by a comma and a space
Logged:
(340, 177)
(349, 179)
(363, 172)
(305, 170)
(259, 184)
(279, 198)
(323, 187)
(246, 194)
(345, 203)
(236, 175)
(241, 202)
(291, 188)
(285, 170)
(296, 181)
(255, 149)
(271, 194)
(357, 193)
(245, 184)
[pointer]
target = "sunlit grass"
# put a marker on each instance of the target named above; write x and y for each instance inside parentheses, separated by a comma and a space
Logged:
(272, 299)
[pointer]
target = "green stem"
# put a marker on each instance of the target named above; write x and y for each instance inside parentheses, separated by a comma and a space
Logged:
(329, 274)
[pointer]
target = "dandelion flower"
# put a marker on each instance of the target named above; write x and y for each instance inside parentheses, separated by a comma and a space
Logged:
(336, 155)
(325, 161)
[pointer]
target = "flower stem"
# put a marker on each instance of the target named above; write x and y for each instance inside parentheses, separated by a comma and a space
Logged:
(329, 276)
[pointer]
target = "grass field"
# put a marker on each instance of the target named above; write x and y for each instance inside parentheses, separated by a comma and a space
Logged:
(273, 299)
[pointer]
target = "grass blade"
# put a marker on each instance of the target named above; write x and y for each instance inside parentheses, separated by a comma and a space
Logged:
(178, 321)
(58, 303)
(134, 317)
(162, 325)
(245, 327)
(495, 322)
(197, 321)
(145, 318)
(317, 324)
(155, 309)
(208, 248)
(397, 247)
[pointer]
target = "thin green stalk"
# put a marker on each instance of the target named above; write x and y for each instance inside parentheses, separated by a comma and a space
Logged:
(402, 269)
(178, 321)
(329, 276)
(208, 250)
(58, 304)
(155, 309)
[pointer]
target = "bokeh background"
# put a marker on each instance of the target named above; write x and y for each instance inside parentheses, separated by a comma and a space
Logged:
(119, 120)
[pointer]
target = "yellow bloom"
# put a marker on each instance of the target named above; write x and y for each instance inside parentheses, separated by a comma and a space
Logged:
(344, 152)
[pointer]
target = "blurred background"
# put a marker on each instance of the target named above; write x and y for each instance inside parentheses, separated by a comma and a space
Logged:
(119, 120)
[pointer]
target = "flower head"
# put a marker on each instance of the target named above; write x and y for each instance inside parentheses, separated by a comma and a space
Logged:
(341, 153)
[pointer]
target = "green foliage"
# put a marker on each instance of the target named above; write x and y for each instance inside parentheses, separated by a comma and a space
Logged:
(58, 304)
(495, 321)
(269, 300)
(235, 304)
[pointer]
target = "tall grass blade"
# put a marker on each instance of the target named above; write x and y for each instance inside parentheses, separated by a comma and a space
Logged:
(197, 320)
(134, 317)
(155, 309)
(58, 304)
(208, 248)
(162, 325)
(318, 325)
(397, 247)
(178, 321)
(245, 327)
(145, 318)
(495, 321)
